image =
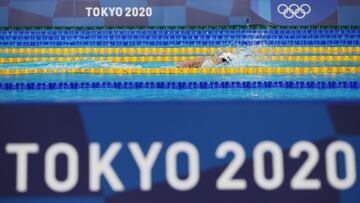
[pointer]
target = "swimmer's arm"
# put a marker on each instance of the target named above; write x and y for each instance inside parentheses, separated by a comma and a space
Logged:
(194, 63)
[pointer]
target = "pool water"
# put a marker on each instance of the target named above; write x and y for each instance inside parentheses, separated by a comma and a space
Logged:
(246, 55)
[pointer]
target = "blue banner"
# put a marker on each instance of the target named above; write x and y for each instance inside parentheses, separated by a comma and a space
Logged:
(178, 152)
(188, 12)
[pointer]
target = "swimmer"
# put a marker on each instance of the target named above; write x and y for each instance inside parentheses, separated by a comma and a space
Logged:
(224, 58)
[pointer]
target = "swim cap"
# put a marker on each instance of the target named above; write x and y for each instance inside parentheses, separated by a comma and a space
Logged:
(227, 56)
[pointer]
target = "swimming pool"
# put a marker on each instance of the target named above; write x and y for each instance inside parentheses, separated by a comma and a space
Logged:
(138, 63)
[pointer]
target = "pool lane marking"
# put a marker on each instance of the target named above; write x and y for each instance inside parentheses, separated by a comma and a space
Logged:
(183, 71)
(181, 85)
(139, 59)
(174, 50)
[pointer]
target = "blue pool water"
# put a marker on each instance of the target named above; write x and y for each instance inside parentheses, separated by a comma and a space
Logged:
(248, 39)
(169, 94)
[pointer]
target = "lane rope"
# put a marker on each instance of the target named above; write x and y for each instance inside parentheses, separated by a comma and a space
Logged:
(267, 27)
(175, 50)
(176, 42)
(175, 35)
(139, 59)
(182, 85)
(183, 71)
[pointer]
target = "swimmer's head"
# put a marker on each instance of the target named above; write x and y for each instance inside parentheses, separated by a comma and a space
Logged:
(227, 57)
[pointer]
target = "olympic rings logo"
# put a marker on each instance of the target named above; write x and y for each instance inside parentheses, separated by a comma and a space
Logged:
(294, 10)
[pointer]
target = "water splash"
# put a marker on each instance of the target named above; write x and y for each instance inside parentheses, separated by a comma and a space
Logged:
(243, 57)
